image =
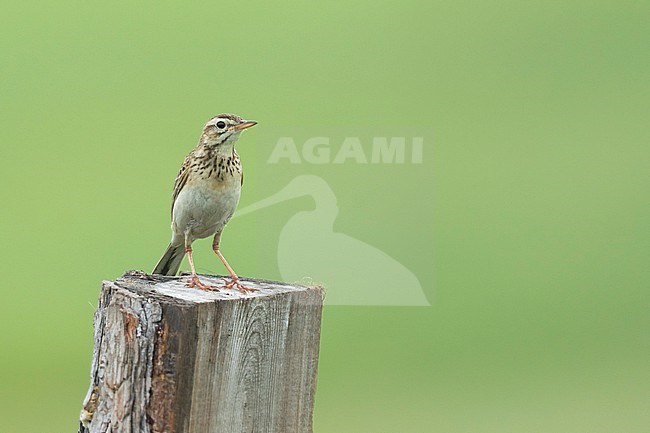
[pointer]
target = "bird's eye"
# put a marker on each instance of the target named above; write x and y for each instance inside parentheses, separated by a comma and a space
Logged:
(221, 124)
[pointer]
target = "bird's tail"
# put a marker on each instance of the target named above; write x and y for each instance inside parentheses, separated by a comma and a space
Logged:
(171, 260)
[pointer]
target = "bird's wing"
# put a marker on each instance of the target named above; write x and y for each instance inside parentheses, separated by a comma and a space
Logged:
(181, 179)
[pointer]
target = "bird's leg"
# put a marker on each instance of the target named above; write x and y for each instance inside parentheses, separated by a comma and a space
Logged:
(234, 279)
(194, 279)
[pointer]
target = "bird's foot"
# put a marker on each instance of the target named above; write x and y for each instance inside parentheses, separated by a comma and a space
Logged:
(234, 283)
(195, 282)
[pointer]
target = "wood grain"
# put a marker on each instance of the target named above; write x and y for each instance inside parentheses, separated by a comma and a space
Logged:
(172, 359)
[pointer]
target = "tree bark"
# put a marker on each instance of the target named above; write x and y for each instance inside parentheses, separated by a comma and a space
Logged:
(172, 359)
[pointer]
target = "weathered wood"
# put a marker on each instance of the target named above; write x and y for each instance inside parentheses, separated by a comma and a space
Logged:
(172, 359)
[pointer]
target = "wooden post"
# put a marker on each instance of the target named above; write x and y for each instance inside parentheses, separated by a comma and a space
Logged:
(177, 360)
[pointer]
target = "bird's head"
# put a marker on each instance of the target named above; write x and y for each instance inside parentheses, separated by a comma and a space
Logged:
(224, 129)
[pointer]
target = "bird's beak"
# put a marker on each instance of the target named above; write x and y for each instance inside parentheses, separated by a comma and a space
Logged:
(245, 124)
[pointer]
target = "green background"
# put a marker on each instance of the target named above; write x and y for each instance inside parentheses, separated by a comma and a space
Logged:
(527, 223)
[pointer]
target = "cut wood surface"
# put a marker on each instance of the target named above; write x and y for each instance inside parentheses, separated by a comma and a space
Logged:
(173, 359)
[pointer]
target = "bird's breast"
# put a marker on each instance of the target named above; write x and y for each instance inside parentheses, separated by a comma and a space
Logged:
(205, 205)
(218, 168)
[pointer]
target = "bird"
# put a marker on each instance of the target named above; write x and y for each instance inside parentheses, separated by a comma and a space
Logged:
(205, 197)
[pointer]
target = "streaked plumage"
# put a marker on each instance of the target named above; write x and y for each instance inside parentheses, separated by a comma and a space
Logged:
(206, 193)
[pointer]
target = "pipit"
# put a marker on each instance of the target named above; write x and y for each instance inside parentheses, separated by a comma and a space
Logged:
(206, 193)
